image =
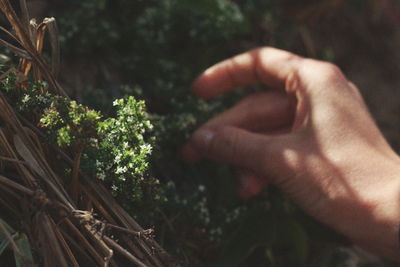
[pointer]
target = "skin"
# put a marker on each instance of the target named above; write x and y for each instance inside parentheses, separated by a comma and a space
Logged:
(313, 137)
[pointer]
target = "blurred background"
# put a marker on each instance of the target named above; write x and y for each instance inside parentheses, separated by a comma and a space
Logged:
(154, 49)
(361, 37)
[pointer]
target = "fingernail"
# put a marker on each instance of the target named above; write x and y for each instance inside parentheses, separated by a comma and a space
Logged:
(203, 137)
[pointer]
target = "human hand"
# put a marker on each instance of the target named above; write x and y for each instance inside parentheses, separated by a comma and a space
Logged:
(314, 139)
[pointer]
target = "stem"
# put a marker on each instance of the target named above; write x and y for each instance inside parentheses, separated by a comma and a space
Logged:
(75, 178)
(123, 251)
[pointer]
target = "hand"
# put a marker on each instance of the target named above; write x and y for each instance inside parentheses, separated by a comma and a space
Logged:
(314, 138)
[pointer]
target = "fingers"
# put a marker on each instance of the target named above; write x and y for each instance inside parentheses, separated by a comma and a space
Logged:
(266, 112)
(230, 145)
(260, 112)
(238, 147)
(250, 184)
(266, 65)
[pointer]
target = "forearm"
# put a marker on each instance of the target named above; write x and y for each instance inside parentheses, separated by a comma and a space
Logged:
(370, 215)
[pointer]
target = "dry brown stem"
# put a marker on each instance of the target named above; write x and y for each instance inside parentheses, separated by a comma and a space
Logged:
(82, 226)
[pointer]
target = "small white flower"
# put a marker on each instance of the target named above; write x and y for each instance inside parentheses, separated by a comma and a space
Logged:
(117, 158)
(146, 148)
(101, 176)
(121, 170)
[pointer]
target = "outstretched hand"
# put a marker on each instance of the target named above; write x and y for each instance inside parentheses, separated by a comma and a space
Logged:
(313, 137)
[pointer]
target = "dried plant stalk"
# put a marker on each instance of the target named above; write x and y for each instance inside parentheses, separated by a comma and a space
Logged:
(60, 233)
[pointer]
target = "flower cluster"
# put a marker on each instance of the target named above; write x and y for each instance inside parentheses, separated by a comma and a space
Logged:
(115, 150)
(123, 149)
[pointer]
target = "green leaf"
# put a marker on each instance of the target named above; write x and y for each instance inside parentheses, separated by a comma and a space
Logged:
(3, 245)
(296, 237)
(22, 242)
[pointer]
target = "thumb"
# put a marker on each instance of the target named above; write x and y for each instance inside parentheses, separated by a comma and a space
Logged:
(232, 145)
(250, 184)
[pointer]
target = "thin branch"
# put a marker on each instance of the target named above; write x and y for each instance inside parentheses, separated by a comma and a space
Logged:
(46, 225)
(123, 252)
(75, 188)
(16, 186)
(78, 248)
(13, 160)
(10, 192)
(140, 234)
(20, 52)
(85, 243)
(25, 41)
(64, 244)
(55, 45)
(24, 12)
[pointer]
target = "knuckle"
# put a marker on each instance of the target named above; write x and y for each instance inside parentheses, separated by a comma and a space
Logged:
(268, 52)
(226, 146)
(323, 72)
(329, 71)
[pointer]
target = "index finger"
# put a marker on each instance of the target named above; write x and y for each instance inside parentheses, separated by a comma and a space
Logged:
(266, 65)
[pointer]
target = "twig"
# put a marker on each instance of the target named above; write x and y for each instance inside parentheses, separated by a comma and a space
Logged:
(47, 223)
(79, 248)
(139, 234)
(75, 178)
(85, 243)
(5, 190)
(123, 252)
(16, 186)
(65, 245)
(20, 52)
(55, 45)
(94, 234)
(13, 160)
(25, 173)
(24, 40)
(24, 12)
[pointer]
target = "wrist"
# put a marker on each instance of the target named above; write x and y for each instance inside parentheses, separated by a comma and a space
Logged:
(383, 237)
(372, 219)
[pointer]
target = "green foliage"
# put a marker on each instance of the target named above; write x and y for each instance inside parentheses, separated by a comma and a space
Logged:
(73, 125)
(123, 150)
(9, 81)
(116, 150)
